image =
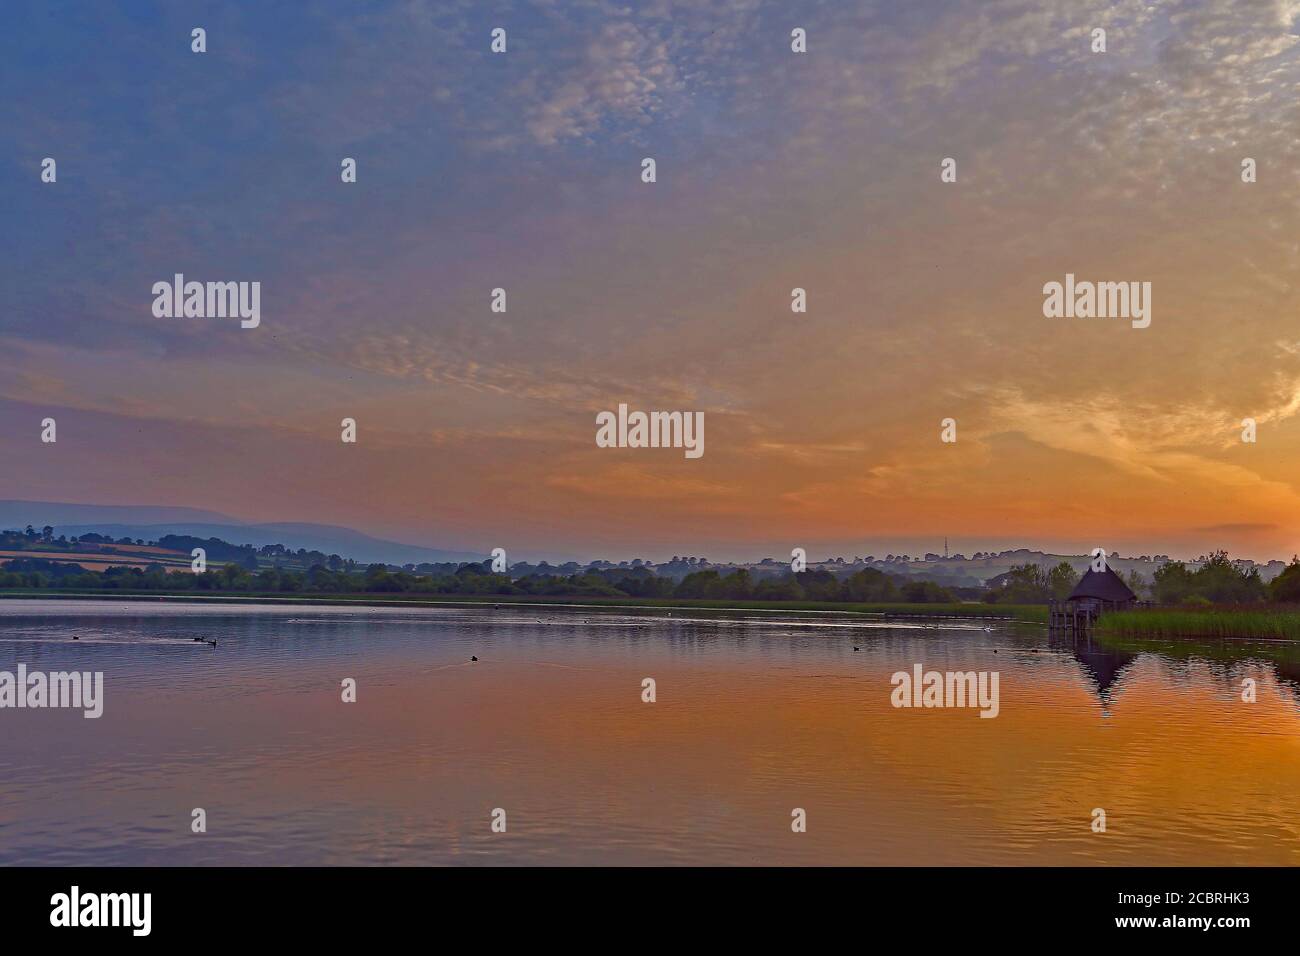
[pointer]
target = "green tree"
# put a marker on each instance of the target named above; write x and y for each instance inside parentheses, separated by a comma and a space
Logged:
(818, 585)
(1173, 583)
(784, 588)
(869, 584)
(1061, 580)
(737, 585)
(1026, 584)
(699, 584)
(1222, 582)
(1286, 586)
(1136, 583)
(926, 592)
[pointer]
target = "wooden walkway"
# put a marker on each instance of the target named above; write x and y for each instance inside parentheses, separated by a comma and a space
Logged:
(1069, 616)
(1078, 617)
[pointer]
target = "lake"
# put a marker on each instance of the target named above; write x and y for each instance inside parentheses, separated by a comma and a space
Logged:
(755, 715)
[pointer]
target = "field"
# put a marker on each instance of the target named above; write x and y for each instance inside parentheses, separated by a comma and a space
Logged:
(93, 558)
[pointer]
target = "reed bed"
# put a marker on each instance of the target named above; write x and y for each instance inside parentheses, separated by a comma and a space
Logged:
(1236, 623)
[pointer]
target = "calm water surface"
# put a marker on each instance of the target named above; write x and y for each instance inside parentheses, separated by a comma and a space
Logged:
(756, 715)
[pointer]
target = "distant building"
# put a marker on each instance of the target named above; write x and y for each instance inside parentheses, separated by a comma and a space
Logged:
(998, 580)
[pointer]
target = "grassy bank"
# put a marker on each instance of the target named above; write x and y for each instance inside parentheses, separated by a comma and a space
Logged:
(1231, 623)
(1019, 612)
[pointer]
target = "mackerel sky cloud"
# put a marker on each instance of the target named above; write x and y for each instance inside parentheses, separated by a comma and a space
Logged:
(775, 171)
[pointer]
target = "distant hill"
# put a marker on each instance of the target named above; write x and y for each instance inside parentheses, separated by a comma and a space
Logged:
(314, 537)
(150, 523)
(17, 514)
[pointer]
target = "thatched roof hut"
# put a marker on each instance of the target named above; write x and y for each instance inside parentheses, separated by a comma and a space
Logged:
(1104, 587)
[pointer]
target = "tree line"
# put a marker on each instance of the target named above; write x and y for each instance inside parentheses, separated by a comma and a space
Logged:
(867, 585)
(1217, 581)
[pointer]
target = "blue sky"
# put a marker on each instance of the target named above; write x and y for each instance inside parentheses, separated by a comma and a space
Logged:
(775, 170)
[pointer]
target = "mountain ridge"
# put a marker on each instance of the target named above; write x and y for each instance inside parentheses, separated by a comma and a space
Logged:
(152, 522)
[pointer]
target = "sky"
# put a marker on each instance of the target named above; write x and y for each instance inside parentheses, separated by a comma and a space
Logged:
(775, 170)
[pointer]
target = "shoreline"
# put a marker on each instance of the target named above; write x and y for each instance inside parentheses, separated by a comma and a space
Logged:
(1021, 613)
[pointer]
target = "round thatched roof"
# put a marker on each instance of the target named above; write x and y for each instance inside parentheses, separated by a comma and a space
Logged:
(1103, 586)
